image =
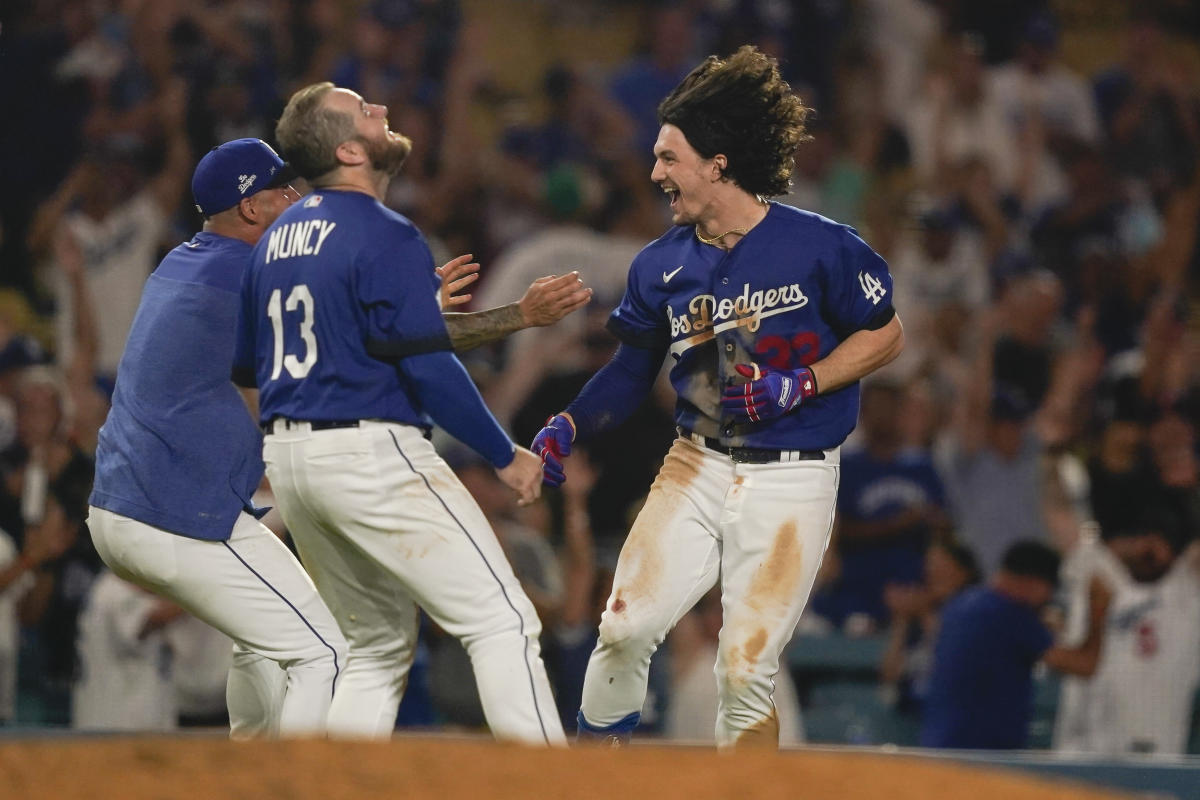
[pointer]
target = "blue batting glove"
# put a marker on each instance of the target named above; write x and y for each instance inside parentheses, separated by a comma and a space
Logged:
(768, 394)
(553, 444)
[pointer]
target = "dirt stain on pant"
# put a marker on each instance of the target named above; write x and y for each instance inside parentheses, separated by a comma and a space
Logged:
(774, 585)
(642, 548)
(764, 733)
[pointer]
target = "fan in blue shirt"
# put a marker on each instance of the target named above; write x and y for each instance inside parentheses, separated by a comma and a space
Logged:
(981, 689)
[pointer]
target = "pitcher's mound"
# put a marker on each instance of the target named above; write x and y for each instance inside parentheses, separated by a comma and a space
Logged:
(446, 769)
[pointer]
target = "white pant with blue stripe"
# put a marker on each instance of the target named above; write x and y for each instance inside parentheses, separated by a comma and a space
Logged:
(384, 526)
(253, 590)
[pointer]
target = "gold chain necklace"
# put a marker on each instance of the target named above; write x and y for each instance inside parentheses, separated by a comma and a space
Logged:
(713, 241)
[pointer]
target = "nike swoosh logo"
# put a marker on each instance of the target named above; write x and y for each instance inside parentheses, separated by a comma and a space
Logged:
(668, 275)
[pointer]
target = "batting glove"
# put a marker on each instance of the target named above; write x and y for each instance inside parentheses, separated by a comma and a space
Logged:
(768, 394)
(553, 444)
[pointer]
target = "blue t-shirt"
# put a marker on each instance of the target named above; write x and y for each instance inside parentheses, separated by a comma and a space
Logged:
(339, 289)
(981, 689)
(871, 490)
(794, 288)
(179, 450)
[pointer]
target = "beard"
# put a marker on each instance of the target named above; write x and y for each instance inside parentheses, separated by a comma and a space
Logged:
(388, 154)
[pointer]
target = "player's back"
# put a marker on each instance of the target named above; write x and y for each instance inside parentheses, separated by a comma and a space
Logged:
(157, 460)
(330, 285)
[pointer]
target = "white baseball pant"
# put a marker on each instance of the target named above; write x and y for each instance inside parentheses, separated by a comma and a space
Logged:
(762, 530)
(252, 589)
(384, 526)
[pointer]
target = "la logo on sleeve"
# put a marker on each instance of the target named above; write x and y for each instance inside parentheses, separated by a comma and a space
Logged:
(872, 287)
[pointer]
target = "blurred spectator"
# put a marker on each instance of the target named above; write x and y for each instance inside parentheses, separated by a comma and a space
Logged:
(46, 480)
(890, 502)
(118, 218)
(625, 460)
(43, 543)
(642, 82)
(915, 611)
(125, 660)
(1045, 104)
(1140, 698)
(692, 709)
(1098, 218)
(1120, 474)
(999, 22)
(941, 279)
(959, 117)
(571, 634)
(981, 687)
(387, 57)
(203, 656)
(1150, 109)
(993, 463)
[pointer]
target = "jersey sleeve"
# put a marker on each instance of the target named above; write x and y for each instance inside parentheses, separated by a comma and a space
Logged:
(393, 283)
(859, 287)
(637, 321)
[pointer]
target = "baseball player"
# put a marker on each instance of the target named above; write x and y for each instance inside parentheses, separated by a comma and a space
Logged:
(179, 458)
(344, 338)
(771, 315)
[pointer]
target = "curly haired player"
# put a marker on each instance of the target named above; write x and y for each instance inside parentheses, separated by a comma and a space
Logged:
(771, 316)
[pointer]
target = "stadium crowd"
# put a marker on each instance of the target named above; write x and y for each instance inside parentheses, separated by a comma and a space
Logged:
(1028, 171)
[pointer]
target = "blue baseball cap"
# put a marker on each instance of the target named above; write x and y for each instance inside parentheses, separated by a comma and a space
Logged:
(235, 170)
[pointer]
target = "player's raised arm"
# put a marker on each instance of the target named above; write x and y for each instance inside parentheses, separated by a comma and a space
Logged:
(547, 300)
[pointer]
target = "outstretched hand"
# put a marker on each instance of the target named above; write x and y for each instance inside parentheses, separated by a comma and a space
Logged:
(549, 299)
(768, 394)
(523, 475)
(457, 274)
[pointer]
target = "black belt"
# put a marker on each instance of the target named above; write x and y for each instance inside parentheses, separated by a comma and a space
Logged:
(752, 455)
(313, 424)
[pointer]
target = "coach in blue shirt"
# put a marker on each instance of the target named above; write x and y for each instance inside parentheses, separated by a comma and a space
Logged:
(179, 459)
(981, 689)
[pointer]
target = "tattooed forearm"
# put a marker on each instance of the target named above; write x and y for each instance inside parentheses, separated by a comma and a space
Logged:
(471, 329)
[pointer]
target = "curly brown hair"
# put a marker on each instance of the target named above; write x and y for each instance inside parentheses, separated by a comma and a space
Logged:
(741, 107)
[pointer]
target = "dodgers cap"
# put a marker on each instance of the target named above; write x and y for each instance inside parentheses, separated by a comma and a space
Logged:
(234, 170)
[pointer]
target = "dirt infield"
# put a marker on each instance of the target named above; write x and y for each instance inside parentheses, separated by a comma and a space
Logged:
(156, 769)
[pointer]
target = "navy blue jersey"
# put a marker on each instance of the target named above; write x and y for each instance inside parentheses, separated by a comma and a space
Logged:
(338, 290)
(794, 288)
(179, 450)
(981, 688)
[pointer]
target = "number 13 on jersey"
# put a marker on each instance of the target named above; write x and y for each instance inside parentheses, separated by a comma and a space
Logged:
(299, 296)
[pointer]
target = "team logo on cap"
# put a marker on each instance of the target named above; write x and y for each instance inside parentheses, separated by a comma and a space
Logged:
(245, 182)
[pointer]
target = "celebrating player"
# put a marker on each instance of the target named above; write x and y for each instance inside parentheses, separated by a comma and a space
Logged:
(179, 458)
(349, 349)
(772, 315)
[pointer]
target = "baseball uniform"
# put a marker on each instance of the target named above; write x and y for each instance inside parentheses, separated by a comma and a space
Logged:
(177, 462)
(750, 504)
(1140, 698)
(343, 335)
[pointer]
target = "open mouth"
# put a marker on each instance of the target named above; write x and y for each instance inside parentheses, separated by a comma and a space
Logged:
(672, 195)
